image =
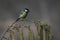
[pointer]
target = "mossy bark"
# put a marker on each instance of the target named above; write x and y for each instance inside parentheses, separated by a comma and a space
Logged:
(21, 34)
(12, 35)
(48, 32)
(51, 37)
(30, 34)
(39, 30)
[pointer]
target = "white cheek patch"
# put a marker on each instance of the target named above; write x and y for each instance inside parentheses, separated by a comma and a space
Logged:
(25, 10)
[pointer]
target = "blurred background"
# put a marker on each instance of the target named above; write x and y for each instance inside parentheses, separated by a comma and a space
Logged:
(45, 10)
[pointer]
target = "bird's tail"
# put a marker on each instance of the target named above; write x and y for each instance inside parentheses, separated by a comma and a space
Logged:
(15, 21)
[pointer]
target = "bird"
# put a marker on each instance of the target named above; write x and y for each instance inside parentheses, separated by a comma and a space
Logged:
(23, 14)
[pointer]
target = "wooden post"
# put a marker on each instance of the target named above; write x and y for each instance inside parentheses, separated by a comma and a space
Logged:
(12, 35)
(30, 34)
(40, 30)
(21, 34)
(47, 31)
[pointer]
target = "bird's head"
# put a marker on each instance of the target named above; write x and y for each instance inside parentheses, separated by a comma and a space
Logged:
(26, 10)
